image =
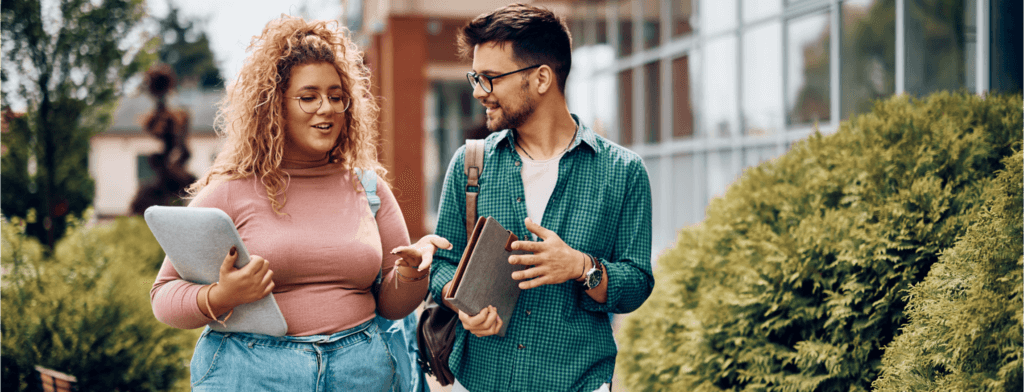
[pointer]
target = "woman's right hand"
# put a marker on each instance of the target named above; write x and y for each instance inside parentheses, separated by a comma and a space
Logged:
(239, 286)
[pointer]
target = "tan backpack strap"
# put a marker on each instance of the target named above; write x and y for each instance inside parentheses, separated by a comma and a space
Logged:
(474, 166)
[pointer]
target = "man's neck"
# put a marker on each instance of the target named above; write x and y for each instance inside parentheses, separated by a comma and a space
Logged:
(546, 133)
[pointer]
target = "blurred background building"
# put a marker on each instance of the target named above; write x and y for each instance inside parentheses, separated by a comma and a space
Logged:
(118, 157)
(701, 89)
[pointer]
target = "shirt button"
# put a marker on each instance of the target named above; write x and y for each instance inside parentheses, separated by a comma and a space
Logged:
(517, 163)
(521, 347)
(519, 200)
(527, 312)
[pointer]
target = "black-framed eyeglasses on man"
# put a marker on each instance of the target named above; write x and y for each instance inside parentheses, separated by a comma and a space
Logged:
(310, 102)
(474, 78)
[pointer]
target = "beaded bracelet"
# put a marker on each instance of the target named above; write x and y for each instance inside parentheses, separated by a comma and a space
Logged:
(208, 308)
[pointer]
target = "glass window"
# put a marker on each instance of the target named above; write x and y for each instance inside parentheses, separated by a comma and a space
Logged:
(652, 102)
(603, 88)
(682, 112)
(721, 171)
(625, 28)
(760, 9)
(652, 23)
(590, 92)
(762, 82)
(1005, 52)
(753, 156)
(452, 116)
(869, 54)
(720, 114)
(655, 166)
(807, 90)
(936, 33)
(717, 15)
(687, 201)
(143, 171)
(626, 107)
(682, 12)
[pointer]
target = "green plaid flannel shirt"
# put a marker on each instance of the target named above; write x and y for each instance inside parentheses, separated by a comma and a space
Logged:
(559, 339)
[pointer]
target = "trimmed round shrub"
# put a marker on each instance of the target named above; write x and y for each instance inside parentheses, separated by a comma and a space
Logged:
(85, 311)
(797, 279)
(966, 318)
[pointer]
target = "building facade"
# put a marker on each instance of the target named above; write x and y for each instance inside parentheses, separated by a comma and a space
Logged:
(704, 89)
(118, 157)
(701, 89)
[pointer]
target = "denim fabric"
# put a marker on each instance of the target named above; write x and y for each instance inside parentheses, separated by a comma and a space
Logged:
(400, 336)
(356, 359)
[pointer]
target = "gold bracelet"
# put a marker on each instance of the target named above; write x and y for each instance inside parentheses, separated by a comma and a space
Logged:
(212, 315)
(408, 279)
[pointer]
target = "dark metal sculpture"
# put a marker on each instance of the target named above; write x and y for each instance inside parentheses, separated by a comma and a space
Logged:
(171, 127)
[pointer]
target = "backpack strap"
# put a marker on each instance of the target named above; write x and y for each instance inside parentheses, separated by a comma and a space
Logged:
(369, 180)
(474, 166)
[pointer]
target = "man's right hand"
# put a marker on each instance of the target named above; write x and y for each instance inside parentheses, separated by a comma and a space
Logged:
(485, 323)
(239, 286)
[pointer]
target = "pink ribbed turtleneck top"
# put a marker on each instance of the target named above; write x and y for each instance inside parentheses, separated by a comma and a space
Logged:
(325, 251)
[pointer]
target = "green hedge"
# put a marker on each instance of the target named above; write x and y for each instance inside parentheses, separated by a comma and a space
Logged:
(797, 278)
(965, 318)
(85, 311)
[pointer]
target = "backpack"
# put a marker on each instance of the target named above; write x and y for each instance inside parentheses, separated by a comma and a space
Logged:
(399, 335)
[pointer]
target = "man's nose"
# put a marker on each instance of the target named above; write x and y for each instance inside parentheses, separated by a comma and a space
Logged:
(478, 91)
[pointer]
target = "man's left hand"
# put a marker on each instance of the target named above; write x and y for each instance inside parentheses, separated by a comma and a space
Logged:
(552, 261)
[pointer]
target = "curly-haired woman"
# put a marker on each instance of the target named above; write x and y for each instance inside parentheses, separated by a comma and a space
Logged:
(299, 122)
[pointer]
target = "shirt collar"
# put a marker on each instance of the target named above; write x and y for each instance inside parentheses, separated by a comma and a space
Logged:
(583, 135)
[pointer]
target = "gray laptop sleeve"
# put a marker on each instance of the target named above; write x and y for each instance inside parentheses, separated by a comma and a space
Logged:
(196, 241)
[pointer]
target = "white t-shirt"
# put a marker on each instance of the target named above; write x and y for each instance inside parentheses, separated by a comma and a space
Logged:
(539, 179)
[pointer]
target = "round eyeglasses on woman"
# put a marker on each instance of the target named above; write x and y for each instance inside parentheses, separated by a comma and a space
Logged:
(487, 84)
(310, 102)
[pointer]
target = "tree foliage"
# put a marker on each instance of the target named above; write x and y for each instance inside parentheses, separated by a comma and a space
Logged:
(66, 61)
(85, 310)
(797, 279)
(186, 48)
(966, 318)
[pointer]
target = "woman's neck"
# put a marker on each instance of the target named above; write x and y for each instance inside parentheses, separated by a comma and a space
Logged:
(301, 164)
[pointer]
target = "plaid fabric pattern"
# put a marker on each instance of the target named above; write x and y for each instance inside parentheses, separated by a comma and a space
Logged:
(559, 339)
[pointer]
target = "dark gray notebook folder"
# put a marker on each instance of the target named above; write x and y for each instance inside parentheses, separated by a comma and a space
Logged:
(196, 241)
(484, 276)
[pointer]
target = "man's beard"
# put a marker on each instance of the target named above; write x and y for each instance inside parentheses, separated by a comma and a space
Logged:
(511, 118)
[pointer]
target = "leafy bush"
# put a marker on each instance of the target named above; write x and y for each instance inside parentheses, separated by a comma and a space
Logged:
(797, 278)
(85, 310)
(966, 318)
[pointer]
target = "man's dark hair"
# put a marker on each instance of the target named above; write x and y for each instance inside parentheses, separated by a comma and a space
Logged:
(537, 36)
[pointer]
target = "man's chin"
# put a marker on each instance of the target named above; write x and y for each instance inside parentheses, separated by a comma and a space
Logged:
(495, 125)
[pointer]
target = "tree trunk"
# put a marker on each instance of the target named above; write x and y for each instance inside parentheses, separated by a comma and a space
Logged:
(45, 135)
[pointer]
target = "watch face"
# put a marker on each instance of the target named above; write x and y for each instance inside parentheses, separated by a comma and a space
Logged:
(593, 278)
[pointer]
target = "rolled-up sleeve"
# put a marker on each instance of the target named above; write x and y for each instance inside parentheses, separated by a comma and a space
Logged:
(630, 280)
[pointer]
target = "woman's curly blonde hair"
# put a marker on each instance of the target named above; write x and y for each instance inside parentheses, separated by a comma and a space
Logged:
(251, 115)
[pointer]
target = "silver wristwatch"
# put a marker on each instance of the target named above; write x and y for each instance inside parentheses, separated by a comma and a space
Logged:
(593, 276)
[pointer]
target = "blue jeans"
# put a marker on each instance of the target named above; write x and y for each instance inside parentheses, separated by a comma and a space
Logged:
(352, 360)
